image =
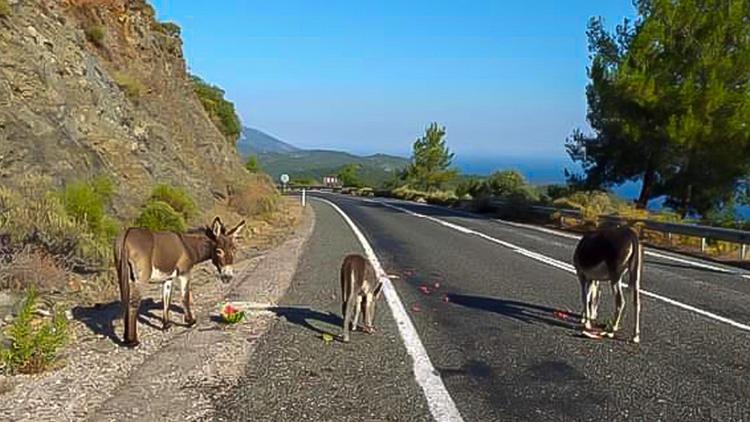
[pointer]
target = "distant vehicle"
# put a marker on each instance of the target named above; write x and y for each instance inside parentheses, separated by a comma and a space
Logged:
(332, 181)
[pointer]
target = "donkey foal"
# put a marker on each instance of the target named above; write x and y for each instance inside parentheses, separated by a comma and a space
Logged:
(360, 288)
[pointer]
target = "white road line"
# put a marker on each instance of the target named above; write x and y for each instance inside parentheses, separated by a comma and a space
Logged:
(439, 401)
(567, 267)
(559, 233)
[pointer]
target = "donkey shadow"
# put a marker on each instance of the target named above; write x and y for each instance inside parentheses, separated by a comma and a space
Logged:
(520, 311)
(303, 316)
(100, 318)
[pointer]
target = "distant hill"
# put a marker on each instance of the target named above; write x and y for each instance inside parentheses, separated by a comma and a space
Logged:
(277, 157)
(254, 142)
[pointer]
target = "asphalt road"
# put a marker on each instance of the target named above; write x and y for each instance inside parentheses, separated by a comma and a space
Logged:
(489, 319)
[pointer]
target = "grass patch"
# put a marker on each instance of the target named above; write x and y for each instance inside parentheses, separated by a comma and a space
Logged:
(34, 344)
(160, 216)
(4, 8)
(95, 34)
(177, 198)
(132, 87)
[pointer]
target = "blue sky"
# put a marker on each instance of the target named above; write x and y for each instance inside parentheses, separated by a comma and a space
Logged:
(506, 78)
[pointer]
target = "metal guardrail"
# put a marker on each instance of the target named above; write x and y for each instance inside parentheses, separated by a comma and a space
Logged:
(739, 237)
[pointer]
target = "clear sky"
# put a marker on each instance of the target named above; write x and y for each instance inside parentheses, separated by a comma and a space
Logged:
(506, 78)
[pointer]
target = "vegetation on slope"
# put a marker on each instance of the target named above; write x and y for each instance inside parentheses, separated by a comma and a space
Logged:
(220, 110)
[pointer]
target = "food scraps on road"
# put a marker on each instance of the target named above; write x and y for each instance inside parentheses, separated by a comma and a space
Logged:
(231, 315)
(327, 338)
(424, 289)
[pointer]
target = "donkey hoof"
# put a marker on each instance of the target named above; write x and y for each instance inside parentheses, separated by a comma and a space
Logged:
(637, 339)
(344, 339)
(190, 321)
(165, 326)
(130, 344)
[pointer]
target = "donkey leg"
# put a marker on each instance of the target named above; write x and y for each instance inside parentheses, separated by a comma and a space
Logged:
(166, 297)
(595, 294)
(357, 311)
(584, 300)
(131, 315)
(187, 298)
(350, 304)
(619, 303)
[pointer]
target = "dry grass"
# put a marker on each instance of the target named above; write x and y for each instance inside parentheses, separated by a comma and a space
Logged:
(33, 268)
(4, 8)
(257, 198)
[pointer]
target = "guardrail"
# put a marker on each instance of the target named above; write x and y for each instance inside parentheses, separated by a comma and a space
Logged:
(739, 237)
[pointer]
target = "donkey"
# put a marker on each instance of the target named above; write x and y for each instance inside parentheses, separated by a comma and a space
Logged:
(143, 256)
(607, 254)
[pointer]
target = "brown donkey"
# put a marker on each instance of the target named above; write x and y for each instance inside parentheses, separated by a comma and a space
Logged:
(143, 256)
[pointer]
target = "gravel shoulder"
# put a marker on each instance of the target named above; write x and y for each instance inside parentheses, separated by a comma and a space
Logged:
(173, 374)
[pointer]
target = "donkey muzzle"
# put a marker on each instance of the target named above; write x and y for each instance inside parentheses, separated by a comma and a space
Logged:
(226, 274)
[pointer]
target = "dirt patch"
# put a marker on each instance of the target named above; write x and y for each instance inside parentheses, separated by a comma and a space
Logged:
(170, 376)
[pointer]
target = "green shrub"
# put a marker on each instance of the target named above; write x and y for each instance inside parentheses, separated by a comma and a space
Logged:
(177, 198)
(132, 87)
(471, 188)
(221, 111)
(95, 34)
(85, 201)
(33, 346)
(252, 164)
(4, 8)
(159, 216)
(34, 213)
(169, 28)
(304, 181)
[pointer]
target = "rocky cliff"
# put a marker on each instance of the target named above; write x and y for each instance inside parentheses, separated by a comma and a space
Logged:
(91, 87)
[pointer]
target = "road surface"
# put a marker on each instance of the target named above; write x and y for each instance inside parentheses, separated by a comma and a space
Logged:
(493, 304)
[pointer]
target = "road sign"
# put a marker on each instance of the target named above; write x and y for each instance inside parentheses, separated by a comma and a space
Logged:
(285, 178)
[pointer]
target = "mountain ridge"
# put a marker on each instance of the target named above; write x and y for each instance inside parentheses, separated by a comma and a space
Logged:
(277, 157)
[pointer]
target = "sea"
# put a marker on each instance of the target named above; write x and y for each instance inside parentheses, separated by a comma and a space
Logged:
(543, 171)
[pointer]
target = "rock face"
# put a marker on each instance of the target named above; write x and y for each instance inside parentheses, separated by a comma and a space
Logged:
(91, 87)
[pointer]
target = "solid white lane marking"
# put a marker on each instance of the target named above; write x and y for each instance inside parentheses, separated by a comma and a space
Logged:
(567, 267)
(439, 401)
(697, 264)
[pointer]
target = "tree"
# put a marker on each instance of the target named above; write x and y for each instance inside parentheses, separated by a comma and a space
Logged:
(252, 164)
(431, 160)
(348, 175)
(669, 103)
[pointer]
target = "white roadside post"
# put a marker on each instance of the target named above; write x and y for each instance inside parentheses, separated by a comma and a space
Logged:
(303, 197)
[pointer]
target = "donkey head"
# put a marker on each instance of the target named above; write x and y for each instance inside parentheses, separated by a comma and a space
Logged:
(223, 254)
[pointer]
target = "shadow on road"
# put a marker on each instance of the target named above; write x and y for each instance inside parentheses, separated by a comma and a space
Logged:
(303, 316)
(520, 311)
(100, 318)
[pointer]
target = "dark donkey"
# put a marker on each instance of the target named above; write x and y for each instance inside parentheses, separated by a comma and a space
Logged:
(143, 256)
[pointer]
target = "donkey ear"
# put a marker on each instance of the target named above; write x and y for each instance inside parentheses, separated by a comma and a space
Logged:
(217, 226)
(236, 231)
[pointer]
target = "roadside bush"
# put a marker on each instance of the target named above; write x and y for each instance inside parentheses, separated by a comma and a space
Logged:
(132, 87)
(95, 34)
(510, 184)
(441, 198)
(85, 201)
(160, 216)
(592, 204)
(4, 8)
(35, 214)
(31, 268)
(34, 345)
(471, 189)
(365, 192)
(257, 198)
(252, 165)
(177, 198)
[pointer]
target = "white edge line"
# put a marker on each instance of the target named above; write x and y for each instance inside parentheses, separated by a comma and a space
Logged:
(439, 401)
(567, 267)
(559, 233)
